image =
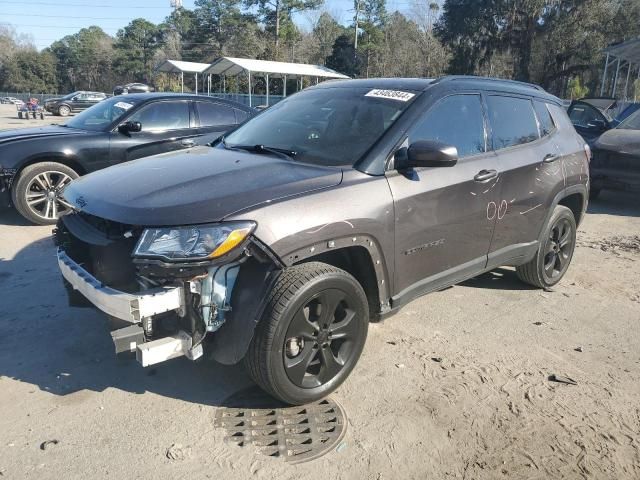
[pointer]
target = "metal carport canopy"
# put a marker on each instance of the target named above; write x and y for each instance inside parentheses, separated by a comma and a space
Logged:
(178, 66)
(234, 66)
(625, 54)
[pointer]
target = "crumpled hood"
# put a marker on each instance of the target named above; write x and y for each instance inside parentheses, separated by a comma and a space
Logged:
(18, 134)
(199, 185)
(620, 140)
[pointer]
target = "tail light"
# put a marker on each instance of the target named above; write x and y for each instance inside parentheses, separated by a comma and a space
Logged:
(587, 152)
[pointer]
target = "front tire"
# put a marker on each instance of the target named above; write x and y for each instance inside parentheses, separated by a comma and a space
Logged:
(311, 334)
(37, 192)
(554, 253)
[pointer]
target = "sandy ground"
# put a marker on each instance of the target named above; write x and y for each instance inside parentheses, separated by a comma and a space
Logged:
(9, 119)
(485, 411)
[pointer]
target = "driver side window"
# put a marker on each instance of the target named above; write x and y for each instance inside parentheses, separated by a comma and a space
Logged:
(163, 116)
(455, 120)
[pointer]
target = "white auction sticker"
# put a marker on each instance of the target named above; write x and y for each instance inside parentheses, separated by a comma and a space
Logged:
(123, 105)
(391, 94)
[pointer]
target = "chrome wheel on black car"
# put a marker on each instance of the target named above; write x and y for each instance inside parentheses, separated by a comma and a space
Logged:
(37, 192)
(311, 335)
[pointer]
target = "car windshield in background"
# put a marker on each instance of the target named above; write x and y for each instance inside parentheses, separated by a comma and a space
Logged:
(327, 126)
(101, 115)
(632, 122)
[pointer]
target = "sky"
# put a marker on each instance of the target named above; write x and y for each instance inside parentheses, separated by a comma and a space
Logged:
(46, 21)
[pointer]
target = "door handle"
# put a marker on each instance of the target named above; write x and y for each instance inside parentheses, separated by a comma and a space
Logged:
(188, 143)
(550, 158)
(484, 175)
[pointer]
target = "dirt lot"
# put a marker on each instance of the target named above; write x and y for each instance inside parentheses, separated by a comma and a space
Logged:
(9, 119)
(485, 410)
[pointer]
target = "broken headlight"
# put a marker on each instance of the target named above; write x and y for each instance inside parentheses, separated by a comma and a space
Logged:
(199, 242)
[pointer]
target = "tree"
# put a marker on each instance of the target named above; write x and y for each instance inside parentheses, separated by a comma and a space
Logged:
(275, 13)
(136, 46)
(84, 60)
(28, 70)
(343, 58)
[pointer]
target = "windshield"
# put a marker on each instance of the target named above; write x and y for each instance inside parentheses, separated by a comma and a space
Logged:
(101, 115)
(632, 122)
(327, 126)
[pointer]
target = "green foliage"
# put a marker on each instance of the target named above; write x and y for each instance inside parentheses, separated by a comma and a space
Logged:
(576, 90)
(135, 47)
(29, 71)
(343, 58)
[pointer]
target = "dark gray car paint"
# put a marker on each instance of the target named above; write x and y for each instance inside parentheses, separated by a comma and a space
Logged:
(420, 228)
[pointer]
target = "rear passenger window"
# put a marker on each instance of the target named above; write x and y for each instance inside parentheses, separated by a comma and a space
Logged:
(456, 120)
(213, 114)
(544, 118)
(512, 121)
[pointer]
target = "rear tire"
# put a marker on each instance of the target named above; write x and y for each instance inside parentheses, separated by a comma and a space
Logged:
(311, 334)
(554, 253)
(64, 111)
(36, 192)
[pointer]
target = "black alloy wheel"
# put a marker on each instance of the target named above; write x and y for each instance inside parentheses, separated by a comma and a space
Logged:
(311, 334)
(555, 251)
(321, 339)
(559, 248)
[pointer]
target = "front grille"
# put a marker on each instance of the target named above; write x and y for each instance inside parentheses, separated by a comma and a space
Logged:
(101, 247)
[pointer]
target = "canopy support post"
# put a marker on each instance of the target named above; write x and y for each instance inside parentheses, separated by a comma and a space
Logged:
(267, 78)
(615, 81)
(604, 75)
(182, 82)
(626, 84)
(196, 83)
(224, 84)
(250, 103)
(284, 87)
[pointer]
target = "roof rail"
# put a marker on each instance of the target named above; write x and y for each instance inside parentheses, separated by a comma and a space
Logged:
(491, 79)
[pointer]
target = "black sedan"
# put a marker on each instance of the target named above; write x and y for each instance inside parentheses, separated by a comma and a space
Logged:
(616, 158)
(74, 102)
(37, 163)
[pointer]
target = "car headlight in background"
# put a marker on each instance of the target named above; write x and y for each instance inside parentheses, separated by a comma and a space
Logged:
(199, 242)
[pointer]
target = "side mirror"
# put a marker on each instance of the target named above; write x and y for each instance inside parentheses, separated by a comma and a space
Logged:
(597, 124)
(430, 153)
(129, 127)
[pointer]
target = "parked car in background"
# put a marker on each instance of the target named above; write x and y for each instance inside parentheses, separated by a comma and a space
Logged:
(11, 100)
(593, 116)
(132, 88)
(616, 158)
(74, 102)
(335, 206)
(37, 163)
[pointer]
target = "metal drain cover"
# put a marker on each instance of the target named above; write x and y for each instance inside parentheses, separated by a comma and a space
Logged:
(297, 434)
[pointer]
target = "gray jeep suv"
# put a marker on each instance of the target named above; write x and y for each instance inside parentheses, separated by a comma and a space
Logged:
(280, 242)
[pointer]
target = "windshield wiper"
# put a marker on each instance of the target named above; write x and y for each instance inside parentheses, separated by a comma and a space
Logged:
(280, 152)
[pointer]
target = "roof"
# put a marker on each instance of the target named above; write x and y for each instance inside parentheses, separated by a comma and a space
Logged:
(415, 84)
(143, 97)
(629, 50)
(234, 66)
(461, 81)
(178, 66)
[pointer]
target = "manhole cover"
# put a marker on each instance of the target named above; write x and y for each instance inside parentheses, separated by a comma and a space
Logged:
(298, 434)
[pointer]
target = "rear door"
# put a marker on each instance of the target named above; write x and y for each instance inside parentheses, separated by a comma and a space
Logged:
(167, 125)
(214, 120)
(444, 217)
(524, 139)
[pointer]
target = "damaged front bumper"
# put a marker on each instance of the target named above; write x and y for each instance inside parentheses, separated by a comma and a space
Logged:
(134, 308)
